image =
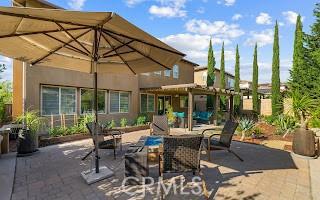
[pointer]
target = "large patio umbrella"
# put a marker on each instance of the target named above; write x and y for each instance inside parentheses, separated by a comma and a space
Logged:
(92, 42)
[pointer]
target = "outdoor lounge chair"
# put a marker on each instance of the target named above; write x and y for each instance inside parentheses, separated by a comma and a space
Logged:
(224, 142)
(181, 154)
(114, 139)
(159, 125)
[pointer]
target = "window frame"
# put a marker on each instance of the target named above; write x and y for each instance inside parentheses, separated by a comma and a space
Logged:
(178, 72)
(154, 102)
(167, 71)
(119, 92)
(59, 87)
(105, 101)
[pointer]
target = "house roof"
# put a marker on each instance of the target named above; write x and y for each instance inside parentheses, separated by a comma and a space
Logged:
(203, 68)
(189, 62)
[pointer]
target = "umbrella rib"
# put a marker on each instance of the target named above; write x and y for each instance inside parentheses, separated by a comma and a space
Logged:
(113, 55)
(75, 39)
(39, 32)
(73, 47)
(144, 42)
(116, 48)
(125, 62)
(57, 49)
(153, 60)
(40, 18)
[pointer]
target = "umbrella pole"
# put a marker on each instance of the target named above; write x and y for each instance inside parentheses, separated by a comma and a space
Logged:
(95, 82)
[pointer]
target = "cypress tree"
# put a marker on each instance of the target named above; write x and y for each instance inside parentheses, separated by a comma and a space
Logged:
(275, 90)
(312, 57)
(237, 81)
(222, 77)
(210, 75)
(255, 99)
(296, 81)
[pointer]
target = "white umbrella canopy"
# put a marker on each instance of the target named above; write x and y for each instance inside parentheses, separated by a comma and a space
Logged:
(66, 39)
(92, 42)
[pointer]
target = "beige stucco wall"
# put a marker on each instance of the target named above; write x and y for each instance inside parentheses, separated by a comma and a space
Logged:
(265, 106)
(36, 76)
(198, 78)
(152, 80)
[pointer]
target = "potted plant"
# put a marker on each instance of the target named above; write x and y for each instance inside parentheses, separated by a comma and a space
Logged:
(27, 139)
(304, 107)
(171, 117)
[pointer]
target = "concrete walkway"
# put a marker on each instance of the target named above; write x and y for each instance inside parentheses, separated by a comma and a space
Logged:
(315, 178)
(7, 171)
(266, 173)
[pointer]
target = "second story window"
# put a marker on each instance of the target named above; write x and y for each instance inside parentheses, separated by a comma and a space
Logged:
(167, 73)
(175, 71)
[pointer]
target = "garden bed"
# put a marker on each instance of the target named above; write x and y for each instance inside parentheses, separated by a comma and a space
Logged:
(47, 140)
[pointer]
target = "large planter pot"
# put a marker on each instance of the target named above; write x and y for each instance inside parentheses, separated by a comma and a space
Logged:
(303, 142)
(26, 145)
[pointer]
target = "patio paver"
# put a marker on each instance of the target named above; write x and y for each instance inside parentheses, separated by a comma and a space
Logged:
(266, 173)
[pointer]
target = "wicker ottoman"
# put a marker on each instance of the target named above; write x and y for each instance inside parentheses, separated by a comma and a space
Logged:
(136, 165)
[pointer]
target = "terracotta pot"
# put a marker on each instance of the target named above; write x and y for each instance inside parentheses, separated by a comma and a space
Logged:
(303, 142)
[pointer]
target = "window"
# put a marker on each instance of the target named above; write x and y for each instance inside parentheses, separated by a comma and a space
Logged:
(204, 76)
(50, 101)
(146, 103)
(57, 100)
(230, 82)
(167, 73)
(175, 71)
(119, 102)
(183, 102)
(87, 101)
(158, 73)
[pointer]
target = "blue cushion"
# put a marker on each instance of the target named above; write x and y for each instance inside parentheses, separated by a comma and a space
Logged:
(180, 114)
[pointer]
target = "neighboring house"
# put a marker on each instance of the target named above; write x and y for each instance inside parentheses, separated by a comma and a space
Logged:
(245, 85)
(265, 88)
(201, 74)
(56, 92)
(200, 78)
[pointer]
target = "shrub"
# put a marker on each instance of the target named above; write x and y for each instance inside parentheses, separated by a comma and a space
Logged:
(111, 124)
(123, 122)
(257, 131)
(170, 115)
(270, 119)
(314, 123)
(141, 120)
(285, 124)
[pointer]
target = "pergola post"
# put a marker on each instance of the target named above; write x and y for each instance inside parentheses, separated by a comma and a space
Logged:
(231, 109)
(216, 109)
(190, 110)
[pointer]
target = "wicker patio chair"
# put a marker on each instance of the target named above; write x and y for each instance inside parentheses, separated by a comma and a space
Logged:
(180, 154)
(224, 142)
(159, 125)
(110, 143)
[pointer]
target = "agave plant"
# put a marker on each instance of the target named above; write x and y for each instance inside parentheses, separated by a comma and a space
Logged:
(285, 124)
(245, 125)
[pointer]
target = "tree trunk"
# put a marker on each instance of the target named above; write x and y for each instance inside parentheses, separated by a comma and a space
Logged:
(243, 135)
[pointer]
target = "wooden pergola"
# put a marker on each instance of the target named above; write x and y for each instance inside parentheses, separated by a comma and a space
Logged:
(193, 89)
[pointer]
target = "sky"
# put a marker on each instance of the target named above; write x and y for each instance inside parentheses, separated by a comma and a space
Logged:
(188, 25)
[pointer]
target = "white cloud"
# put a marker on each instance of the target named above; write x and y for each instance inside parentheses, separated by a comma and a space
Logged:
(195, 46)
(76, 4)
(291, 17)
(263, 18)
(228, 2)
(169, 8)
(132, 3)
(218, 29)
(263, 38)
(236, 17)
